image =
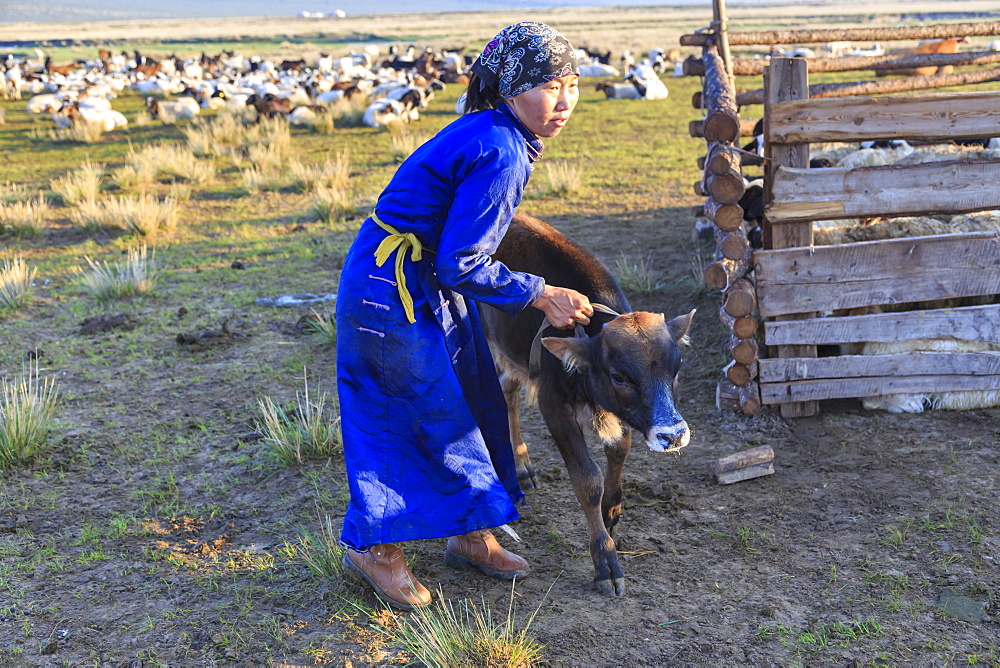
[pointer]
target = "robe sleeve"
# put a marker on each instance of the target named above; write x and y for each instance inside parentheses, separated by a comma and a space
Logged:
(478, 218)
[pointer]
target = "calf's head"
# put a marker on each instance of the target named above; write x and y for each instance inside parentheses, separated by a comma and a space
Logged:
(631, 371)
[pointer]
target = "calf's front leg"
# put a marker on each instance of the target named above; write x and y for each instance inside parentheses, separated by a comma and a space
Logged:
(611, 503)
(512, 393)
(588, 485)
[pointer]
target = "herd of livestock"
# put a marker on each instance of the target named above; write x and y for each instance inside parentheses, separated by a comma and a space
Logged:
(395, 85)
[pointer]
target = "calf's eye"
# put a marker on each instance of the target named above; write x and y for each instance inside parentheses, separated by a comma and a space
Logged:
(617, 378)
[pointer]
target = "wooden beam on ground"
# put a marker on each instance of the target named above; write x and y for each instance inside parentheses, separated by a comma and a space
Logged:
(755, 66)
(882, 86)
(969, 323)
(880, 34)
(953, 186)
(847, 388)
(929, 117)
(890, 271)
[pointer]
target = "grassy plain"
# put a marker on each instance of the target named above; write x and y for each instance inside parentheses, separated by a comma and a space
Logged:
(157, 527)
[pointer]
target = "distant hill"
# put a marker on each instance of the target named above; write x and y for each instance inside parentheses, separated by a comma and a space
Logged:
(106, 10)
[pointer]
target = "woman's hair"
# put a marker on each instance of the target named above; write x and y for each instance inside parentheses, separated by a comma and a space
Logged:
(479, 97)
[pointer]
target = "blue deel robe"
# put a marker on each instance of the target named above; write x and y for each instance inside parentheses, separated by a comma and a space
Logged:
(423, 417)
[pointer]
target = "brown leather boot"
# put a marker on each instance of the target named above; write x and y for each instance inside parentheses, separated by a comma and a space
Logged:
(481, 549)
(384, 566)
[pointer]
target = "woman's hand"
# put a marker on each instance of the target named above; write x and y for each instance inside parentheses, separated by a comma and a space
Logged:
(563, 307)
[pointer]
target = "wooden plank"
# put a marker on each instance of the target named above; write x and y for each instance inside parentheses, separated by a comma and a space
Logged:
(877, 34)
(936, 187)
(849, 388)
(866, 366)
(969, 323)
(880, 87)
(786, 79)
(931, 117)
(892, 271)
(755, 67)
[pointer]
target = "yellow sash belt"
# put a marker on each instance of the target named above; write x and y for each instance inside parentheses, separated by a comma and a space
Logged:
(398, 242)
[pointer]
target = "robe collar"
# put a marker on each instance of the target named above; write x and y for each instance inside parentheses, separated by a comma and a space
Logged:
(533, 144)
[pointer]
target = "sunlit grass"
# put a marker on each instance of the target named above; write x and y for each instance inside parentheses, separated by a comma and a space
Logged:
(320, 552)
(564, 177)
(81, 184)
(636, 273)
(134, 276)
(331, 204)
(16, 279)
(27, 407)
(463, 633)
(24, 219)
(405, 141)
(308, 430)
(143, 215)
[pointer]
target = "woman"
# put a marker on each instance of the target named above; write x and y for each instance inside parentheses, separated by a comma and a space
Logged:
(423, 417)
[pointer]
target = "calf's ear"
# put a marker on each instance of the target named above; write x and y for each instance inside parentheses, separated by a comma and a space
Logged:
(572, 352)
(679, 326)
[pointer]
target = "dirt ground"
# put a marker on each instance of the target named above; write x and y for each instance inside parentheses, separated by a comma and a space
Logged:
(874, 542)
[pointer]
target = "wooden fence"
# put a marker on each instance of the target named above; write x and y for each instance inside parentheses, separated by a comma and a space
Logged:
(789, 282)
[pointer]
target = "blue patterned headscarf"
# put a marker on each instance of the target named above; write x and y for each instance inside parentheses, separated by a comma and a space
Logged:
(523, 56)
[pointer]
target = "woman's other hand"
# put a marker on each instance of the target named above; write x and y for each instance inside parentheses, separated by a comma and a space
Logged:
(563, 307)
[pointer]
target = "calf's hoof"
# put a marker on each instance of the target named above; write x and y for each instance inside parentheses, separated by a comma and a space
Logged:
(527, 480)
(611, 587)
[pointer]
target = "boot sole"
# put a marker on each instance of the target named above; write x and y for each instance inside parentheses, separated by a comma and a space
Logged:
(352, 568)
(458, 561)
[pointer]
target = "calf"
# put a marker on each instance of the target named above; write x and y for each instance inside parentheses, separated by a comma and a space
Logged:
(615, 375)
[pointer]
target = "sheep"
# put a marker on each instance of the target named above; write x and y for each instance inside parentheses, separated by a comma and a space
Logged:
(598, 70)
(12, 83)
(916, 403)
(39, 104)
(107, 119)
(173, 110)
(303, 115)
(618, 91)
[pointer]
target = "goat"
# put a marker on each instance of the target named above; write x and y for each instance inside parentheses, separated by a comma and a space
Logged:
(385, 112)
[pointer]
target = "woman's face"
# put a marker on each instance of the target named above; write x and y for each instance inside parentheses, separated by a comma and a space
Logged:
(545, 109)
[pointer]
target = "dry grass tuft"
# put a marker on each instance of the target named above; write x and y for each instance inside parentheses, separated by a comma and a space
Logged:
(16, 279)
(306, 431)
(79, 185)
(349, 113)
(24, 219)
(144, 215)
(564, 177)
(26, 410)
(136, 275)
(182, 163)
(446, 633)
(332, 173)
(637, 274)
(216, 136)
(14, 192)
(405, 142)
(331, 204)
(321, 553)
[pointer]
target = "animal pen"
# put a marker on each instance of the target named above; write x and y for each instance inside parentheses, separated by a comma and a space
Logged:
(818, 298)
